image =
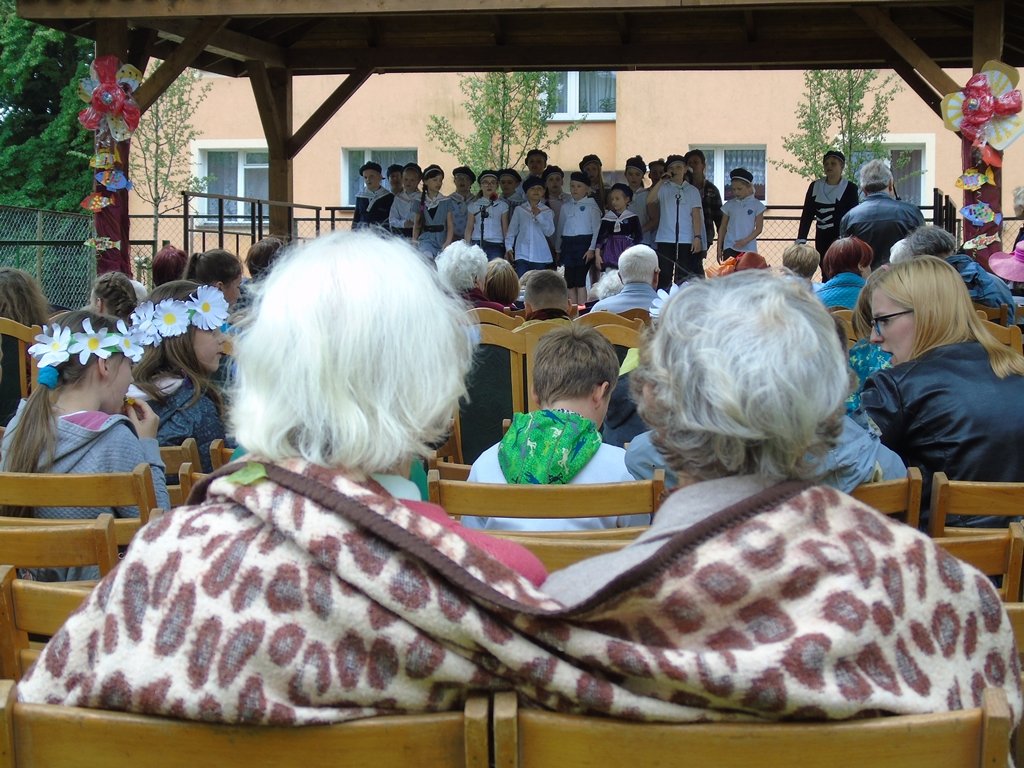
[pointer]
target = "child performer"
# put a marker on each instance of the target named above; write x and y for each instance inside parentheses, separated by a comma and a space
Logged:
(536, 162)
(532, 223)
(395, 178)
(509, 180)
(591, 166)
(403, 210)
(461, 198)
(434, 225)
(487, 218)
(742, 217)
(636, 168)
(554, 196)
(575, 241)
(680, 235)
(373, 203)
(620, 228)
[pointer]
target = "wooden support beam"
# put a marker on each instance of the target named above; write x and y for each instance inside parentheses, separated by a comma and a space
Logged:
(139, 43)
(749, 26)
(112, 38)
(267, 105)
(233, 45)
(917, 84)
(907, 49)
(185, 54)
(989, 16)
(325, 112)
(273, 91)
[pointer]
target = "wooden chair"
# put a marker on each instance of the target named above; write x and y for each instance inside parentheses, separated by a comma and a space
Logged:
(28, 370)
(561, 552)
(1000, 314)
(30, 543)
(530, 335)
(44, 735)
(964, 738)
(994, 553)
(1015, 612)
(449, 451)
(1007, 335)
(967, 498)
(487, 316)
(642, 497)
(846, 317)
(897, 498)
(448, 470)
(187, 478)
(219, 454)
(113, 489)
(31, 608)
(174, 456)
(637, 314)
(609, 318)
(496, 385)
(621, 336)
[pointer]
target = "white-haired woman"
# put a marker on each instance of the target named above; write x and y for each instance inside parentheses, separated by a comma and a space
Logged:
(245, 607)
(463, 268)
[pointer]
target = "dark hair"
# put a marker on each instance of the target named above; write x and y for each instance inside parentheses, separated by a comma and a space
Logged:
(117, 293)
(211, 267)
(21, 298)
(847, 254)
(168, 264)
(695, 153)
(261, 255)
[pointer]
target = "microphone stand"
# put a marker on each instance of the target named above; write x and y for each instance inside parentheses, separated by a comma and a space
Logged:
(675, 263)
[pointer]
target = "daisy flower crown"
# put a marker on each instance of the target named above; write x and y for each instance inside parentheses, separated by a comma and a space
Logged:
(206, 309)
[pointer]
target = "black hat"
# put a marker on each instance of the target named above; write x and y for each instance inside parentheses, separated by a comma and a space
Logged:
(369, 166)
(638, 163)
(623, 188)
(552, 170)
(465, 170)
(509, 172)
(412, 167)
(433, 170)
(394, 168)
(589, 159)
(581, 177)
(673, 159)
(531, 182)
(659, 161)
(484, 174)
(540, 152)
(836, 154)
(742, 174)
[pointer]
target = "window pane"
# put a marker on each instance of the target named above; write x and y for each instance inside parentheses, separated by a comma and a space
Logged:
(222, 167)
(385, 157)
(597, 92)
(561, 93)
(907, 166)
(751, 159)
(257, 158)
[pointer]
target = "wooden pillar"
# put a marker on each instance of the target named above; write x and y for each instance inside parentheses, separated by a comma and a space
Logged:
(272, 89)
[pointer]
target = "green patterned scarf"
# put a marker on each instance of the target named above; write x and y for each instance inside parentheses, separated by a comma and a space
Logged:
(547, 447)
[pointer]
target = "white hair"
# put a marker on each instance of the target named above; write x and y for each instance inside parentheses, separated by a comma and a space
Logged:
(875, 176)
(354, 356)
(900, 251)
(638, 264)
(462, 266)
(744, 375)
(140, 290)
(608, 285)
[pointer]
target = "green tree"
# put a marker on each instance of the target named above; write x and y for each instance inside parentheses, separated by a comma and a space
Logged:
(40, 69)
(509, 112)
(846, 110)
(161, 161)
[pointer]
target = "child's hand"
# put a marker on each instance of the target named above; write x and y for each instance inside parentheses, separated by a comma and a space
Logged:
(142, 417)
(589, 256)
(510, 255)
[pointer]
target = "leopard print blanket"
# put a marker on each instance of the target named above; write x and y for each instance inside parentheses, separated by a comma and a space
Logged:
(307, 598)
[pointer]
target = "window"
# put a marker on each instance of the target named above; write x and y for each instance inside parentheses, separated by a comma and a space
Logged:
(236, 171)
(908, 170)
(352, 160)
(584, 96)
(721, 160)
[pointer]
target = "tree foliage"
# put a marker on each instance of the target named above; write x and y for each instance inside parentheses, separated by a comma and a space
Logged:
(39, 131)
(846, 110)
(509, 112)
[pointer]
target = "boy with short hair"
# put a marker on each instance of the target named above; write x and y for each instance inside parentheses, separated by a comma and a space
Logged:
(546, 297)
(403, 209)
(576, 235)
(574, 372)
(373, 202)
(801, 259)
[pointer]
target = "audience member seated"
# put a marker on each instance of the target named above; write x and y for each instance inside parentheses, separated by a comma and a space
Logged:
(865, 357)
(609, 285)
(574, 373)
(279, 599)
(880, 219)
(900, 251)
(463, 268)
(547, 297)
(802, 260)
(176, 375)
(638, 272)
(218, 268)
(982, 286)
(950, 402)
(169, 264)
(846, 265)
(258, 260)
(77, 420)
(501, 283)
(113, 294)
(21, 300)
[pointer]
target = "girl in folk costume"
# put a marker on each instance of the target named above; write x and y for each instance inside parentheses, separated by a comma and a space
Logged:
(620, 228)
(591, 166)
(373, 203)
(403, 209)
(636, 168)
(826, 202)
(554, 195)
(434, 225)
(531, 226)
(487, 218)
(460, 199)
(576, 236)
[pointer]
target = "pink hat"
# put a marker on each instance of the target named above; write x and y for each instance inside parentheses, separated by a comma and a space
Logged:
(1009, 266)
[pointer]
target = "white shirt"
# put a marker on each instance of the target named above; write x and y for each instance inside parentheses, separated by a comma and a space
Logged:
(638, 205)
(742, 213)
(402, 209)
(528, 233)
(689, 198)
(579, 217)
(492, 224)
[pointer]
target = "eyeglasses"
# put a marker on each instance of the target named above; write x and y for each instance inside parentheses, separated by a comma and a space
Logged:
(882, 321)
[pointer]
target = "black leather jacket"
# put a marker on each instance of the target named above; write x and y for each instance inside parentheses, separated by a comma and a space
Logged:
(880, 221)
(948, 412)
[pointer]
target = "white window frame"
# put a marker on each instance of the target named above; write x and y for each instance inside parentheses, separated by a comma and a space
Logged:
(343, 186)
(720, 180)
(572, 99)
(199, 164)
(924, 142)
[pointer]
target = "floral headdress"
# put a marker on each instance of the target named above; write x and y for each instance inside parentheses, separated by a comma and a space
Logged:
(206, 309)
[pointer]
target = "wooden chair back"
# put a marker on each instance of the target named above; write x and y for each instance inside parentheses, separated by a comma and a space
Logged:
(609, 318)
(1015, 612)
(31, 608)
(449, 451)
(496, 385)
(967, 738)
(38, 735)
(995, 553)
(487, 316)
(219, 454)
(1007, 335)
(449, 470)
(187, 478)
(1000, 314)
(971, 499)
(530, 335)
(28, 370)
(112, 489)
(846, 318)
(896, 498)
(641, 497)
(561, 552)
(31, 543)
(637, 314)
(621, 336)
(174, 456)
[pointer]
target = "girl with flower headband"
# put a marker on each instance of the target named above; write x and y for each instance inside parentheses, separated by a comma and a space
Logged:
(77, 420)
(176, 376)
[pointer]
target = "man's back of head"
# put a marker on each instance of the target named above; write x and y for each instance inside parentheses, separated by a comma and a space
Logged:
(875, 176)
(546, 289)
(930, 240)
(638, 264)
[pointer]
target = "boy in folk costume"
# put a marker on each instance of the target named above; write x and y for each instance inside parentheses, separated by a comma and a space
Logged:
(403, 209)
(434, 224)
(826, 202)
(576, 236)
(487, 218)
(742, 217)
(620, 228)
(461, 198)
(532, 223)
(680, 235)
(373, 203)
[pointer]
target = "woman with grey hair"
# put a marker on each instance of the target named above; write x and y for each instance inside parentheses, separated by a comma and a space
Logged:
(463, 268)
